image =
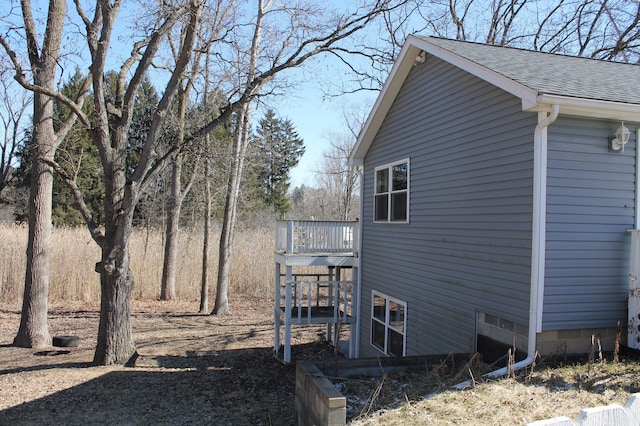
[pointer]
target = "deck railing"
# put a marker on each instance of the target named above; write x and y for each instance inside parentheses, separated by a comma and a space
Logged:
(302, 236)
(300, 298)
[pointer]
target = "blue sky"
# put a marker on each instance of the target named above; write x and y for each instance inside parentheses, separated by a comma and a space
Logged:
(313, 118)
(305, 105)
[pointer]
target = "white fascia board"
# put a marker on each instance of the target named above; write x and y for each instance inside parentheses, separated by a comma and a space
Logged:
(589, 108)
(405, 61)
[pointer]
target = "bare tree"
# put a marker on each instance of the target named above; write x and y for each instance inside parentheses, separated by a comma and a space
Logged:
(43, 52)
(178, 192)
(204, 280)
(335, 176)
(15, 102)
(215, 23)
(115, 341)
(309, 33)
(240, 144)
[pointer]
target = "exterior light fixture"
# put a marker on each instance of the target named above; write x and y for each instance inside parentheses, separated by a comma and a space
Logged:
(621, 138)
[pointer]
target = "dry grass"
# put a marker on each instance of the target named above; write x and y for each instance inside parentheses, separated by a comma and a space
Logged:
(192, 369)
(533, 395)
(74, 256)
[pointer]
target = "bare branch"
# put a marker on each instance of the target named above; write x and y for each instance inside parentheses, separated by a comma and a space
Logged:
(70, 182)
(195, 12)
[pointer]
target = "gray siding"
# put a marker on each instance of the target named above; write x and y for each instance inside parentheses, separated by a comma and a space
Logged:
(590, 206)
(467, 247)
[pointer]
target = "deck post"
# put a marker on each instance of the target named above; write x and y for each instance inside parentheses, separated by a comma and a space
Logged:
(287, 315)
(276, 311)
(290, 237)
(354, 332)
(336, 307)
(330, 270)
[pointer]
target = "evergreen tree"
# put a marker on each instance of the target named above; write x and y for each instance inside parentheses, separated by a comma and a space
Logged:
(278, 149)
(79, 158)
(149, 209)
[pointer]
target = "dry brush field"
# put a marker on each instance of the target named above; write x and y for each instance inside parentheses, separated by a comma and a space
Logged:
(74, 256)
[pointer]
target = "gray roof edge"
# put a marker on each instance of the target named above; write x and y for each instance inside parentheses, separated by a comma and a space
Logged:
(533, 99)
(434, 40)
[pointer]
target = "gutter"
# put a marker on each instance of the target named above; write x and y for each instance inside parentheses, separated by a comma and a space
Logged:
(538, 242)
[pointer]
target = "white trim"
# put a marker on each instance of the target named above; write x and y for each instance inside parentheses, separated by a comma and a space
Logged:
(637, 218)
(390, 191)
(388, 299)
(539, 225)
(359, 294)
(588, 107)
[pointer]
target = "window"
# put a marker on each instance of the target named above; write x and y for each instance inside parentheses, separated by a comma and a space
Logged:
(392, 192)
(388, 324)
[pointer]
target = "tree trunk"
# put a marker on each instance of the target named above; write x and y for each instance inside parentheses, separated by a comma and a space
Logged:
(34, 330)
(235, 176)
(168, 287)
(204, 284)
(221, 305)
(115, 335)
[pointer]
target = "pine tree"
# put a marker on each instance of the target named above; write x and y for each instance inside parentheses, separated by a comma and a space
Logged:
(278, 149)
(79, 158)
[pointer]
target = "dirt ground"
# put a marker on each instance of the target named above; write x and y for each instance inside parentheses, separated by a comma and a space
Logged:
(197, 369)
(191, 369)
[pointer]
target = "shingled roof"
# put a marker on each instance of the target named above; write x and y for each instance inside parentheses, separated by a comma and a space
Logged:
(551, 73)
(578, 86)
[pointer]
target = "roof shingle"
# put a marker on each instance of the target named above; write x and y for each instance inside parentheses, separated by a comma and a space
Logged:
(553, 74)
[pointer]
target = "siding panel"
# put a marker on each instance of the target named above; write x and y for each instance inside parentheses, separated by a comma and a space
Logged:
(590, 206)
(467, 247)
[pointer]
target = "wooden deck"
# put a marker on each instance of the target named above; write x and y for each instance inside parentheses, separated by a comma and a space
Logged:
(314, 298)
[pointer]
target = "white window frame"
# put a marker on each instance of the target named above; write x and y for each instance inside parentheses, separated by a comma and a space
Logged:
(390, 191)
(387, 324)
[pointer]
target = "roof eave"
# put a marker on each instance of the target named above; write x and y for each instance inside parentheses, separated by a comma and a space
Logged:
(531, 99)
(588, 107)
(399, 71)
(405, 61)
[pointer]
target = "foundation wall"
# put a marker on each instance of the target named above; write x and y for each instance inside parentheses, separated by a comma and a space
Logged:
(572, 342)
(318, 402)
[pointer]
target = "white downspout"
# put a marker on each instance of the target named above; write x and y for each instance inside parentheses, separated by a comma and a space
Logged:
(538, 241)
(538, 238)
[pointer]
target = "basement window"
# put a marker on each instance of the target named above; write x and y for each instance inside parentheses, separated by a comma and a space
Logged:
(391, 202)
(388, 324)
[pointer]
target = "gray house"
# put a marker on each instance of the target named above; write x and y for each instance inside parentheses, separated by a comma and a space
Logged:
(499, 198)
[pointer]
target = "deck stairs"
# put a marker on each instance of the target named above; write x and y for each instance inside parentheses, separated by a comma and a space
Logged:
(326, 297)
